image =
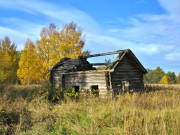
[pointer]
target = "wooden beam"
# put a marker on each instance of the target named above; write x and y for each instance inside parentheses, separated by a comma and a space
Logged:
(102, 54)
(99, 64)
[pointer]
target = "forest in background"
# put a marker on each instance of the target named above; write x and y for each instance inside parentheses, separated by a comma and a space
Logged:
(32, 65)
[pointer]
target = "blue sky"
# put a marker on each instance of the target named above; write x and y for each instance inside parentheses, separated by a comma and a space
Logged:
(150, 28)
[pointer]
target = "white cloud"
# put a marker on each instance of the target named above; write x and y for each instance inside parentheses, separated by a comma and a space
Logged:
(171, 6)
(149, 49)
(63, 14)
(10, 32)
(19, 30)
(17, 37)
(174, 56)
(52, 13)
(152, 49)
(151, 36)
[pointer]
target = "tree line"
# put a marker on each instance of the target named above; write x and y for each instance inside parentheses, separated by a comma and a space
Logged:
(158, 76)
(33, 63)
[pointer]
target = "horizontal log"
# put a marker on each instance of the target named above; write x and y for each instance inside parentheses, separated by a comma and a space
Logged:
(85, 86)
(103, 54)
(85, 77)
(87, 83)
(126, 66)
(127, 73)
(82, 80)
(99, 64)
(85, 74)
(125, 78)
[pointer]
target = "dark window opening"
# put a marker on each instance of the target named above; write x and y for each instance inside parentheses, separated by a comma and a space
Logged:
(76, 88)
(95, 90)
(94, 87)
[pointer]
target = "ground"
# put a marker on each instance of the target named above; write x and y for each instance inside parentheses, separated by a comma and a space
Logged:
(27, 110)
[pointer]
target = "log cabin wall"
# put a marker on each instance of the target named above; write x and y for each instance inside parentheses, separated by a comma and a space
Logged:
(127, 70)
(57, 78)
(83, 79)
(86, 79)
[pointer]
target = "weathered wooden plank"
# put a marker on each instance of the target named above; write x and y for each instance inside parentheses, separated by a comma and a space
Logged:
(85, 76)
(126, 70)
(99, 64)
(92, 83)
(126, 66)
(89, 71)
(86, 81)
(86, 85)
(126, 76)
(103, 54)
(126, 73)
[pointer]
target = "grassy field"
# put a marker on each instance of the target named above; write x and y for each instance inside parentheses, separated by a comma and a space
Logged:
(26, 111)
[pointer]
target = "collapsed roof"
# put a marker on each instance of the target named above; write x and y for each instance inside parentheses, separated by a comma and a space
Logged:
(81, 64)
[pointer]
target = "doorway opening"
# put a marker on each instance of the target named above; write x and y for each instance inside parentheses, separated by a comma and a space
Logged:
(125, 85)
(76, 88)
(95, 90)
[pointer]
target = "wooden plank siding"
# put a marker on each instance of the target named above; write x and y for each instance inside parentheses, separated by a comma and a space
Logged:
(83, 79)
(86, 79)
(127, 70)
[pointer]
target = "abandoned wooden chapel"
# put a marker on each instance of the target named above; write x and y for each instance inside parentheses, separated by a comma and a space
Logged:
(124, 73)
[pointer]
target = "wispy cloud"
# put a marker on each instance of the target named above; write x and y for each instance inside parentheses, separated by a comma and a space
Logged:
(172, 7)
(19, 30)
(17, 37)
(52, 13)
(150, 36)
(59, 13)
(174, 56)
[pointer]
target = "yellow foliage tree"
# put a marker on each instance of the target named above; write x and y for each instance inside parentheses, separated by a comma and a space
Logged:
(8, 61)
(56, 44)
(165, 80)
(29, 65)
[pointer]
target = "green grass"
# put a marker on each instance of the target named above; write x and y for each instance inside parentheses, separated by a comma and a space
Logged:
(26, 111)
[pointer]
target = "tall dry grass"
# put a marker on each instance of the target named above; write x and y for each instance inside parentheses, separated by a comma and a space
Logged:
(152, 113)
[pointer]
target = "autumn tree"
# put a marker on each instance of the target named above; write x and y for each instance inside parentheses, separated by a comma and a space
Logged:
(165, 80)
(56, 44)
(178, 79)
(8, 61)
(172, 77)
(29, 65)
(154, 76)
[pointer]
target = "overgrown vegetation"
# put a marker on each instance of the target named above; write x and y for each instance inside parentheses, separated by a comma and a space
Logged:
(27, 110)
